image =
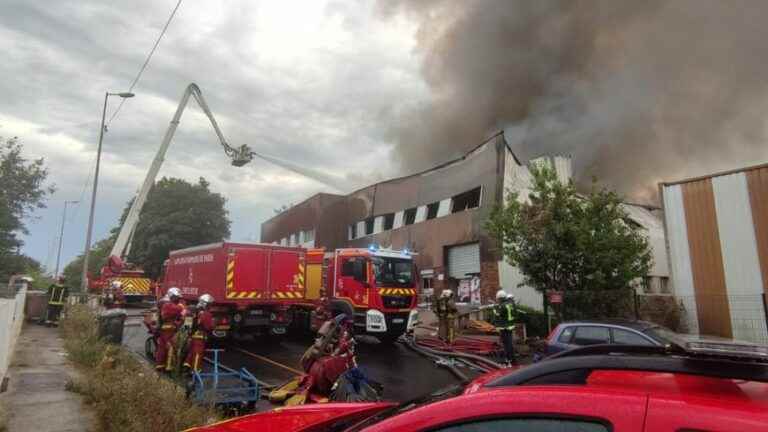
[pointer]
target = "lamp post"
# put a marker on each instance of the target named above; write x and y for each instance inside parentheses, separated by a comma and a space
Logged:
(61, 235)
(86, 256)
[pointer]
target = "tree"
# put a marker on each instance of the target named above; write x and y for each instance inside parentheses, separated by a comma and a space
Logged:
(22, 191)
(585, 246)
(177, 215)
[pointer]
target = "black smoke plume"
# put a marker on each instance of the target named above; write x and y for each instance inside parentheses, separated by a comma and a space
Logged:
(636, 91)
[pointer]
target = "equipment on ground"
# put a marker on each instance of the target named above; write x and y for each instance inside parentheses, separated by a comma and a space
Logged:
(136, 286)
(224, 387)
(265, 288)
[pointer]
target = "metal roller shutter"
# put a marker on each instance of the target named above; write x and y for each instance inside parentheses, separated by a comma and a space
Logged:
(463, 260)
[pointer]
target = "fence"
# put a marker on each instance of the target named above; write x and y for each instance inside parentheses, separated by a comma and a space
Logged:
(11, 320)
(742, 317)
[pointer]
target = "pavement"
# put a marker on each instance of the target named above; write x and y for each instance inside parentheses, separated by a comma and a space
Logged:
(36, 398)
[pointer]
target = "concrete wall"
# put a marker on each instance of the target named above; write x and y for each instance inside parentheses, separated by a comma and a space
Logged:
(11, 320)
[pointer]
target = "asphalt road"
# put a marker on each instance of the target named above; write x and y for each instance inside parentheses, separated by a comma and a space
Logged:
(403, 373)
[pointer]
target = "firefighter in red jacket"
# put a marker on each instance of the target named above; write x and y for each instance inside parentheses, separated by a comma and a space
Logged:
(202, 327)
(171, 317)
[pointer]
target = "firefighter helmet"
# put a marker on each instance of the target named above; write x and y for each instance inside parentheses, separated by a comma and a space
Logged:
(204, 300)
(446, 293)
(173, 292)
(502, 295)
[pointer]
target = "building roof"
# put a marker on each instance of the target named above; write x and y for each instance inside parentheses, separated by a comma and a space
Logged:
(716, 174)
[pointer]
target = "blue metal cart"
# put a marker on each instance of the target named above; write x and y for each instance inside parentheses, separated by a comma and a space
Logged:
(224, 386)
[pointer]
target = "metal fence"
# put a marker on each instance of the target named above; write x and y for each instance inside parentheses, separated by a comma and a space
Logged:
(741, 316)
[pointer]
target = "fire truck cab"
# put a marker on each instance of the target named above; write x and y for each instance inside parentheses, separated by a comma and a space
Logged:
(376, 287)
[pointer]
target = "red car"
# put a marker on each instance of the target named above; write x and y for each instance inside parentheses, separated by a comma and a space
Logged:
(599, 388)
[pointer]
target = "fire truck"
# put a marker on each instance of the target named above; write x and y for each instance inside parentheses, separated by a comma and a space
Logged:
(265, 288)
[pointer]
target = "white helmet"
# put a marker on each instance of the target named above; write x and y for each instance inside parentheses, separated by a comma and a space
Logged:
(502, 295)
(446, 293)
(173, 292)
(204, 300)
(510, 297)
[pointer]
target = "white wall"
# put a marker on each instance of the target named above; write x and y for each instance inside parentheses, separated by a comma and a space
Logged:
(11, 320)
(679, 254)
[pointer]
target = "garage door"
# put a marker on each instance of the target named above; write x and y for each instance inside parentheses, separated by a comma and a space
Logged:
(463, 260)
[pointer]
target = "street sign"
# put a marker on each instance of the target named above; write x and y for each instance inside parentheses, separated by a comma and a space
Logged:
(555, 297)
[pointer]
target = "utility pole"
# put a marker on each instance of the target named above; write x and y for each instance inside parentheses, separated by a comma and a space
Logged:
(89, 232)
(61, 236)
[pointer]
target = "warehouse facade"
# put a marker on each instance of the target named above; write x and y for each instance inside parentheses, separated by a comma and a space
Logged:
(717, 231)
(439, 213)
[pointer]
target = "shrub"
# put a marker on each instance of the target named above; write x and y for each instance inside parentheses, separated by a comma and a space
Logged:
(535, 321)
(125, 395)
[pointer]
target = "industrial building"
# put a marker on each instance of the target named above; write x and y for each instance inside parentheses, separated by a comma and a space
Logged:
(717, 230)
(440, 214)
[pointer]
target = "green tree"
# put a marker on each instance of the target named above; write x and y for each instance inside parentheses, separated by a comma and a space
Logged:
(22, 191)
(176, 215)
(583, 245)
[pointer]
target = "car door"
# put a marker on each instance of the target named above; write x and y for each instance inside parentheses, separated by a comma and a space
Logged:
(626, 337)
(526, 408)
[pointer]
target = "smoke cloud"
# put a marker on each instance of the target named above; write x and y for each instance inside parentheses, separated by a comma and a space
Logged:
(636, 91)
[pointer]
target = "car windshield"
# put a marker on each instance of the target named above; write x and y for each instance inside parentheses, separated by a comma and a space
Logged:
(393, 271)
(664, 335)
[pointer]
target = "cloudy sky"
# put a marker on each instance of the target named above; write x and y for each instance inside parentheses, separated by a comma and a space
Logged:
(307, 81)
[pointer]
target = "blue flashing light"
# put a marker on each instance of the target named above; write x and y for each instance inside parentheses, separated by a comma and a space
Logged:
(406, 251)
(373, 247)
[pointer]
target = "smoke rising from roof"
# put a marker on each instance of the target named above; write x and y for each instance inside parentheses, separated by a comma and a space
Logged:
(636, 91)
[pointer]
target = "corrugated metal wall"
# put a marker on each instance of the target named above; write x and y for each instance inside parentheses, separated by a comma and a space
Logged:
(717, 231)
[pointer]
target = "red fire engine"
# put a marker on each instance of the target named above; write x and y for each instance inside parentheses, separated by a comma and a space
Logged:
(263, 288)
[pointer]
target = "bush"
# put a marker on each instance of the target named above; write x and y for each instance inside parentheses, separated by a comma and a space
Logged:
(125, 395)
(663, 310)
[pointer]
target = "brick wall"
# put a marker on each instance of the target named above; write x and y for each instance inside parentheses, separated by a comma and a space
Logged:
(489, 280)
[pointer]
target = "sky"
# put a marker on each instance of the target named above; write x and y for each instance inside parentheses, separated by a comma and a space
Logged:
(311, 82)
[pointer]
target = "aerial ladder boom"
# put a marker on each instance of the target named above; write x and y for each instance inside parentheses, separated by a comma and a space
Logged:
(239, 155)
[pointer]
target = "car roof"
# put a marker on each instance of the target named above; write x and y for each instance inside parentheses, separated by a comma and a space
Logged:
(633, 324)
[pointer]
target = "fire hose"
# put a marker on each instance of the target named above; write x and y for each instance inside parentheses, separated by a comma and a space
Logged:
(487, 362)
(439, 360)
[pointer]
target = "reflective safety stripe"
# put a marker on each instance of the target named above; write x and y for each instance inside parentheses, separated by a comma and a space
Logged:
(168, 327)
(397, 291)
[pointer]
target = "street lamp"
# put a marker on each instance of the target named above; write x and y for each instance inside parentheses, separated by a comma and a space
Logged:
(86, 256)
(61, 236)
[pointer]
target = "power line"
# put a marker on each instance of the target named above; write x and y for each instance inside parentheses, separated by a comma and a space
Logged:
(146, 62)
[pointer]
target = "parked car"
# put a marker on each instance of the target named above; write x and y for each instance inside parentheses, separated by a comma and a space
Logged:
(600, 388)
(573, 334)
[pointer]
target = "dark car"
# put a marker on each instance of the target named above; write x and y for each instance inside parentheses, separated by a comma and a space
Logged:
(575, 334)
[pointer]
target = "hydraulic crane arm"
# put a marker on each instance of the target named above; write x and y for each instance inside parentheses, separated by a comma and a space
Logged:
(240, 156)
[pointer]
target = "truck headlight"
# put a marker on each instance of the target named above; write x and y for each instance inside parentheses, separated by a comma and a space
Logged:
(237, 318)
(375, 321)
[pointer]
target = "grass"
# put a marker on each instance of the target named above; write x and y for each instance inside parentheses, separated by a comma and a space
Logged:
(125, 395)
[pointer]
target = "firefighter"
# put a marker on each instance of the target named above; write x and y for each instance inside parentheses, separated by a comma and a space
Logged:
(505, 314)
(202, 326)
(113, 297)
(446, 311)
(57, 296)
(171, 318)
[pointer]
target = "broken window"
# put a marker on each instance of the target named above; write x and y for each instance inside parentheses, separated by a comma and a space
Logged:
(389, 221)
(432, 210)
(369, 226)
(353, 231)
(409, 217)
(465, 201)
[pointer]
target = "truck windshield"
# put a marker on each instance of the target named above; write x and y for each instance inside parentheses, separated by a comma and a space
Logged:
(393, 271)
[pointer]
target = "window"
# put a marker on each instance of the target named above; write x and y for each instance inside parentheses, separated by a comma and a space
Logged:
(664, 285)
(348, 268)
(369, 226)
(527, 425)
(623, 337)
(591, 335)
(565, 336)
(389, 221)
(647, 284)
(465, 201)
(309, 235)
(353, 231)
(432, 210)
(409, 217)
(393, 271)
